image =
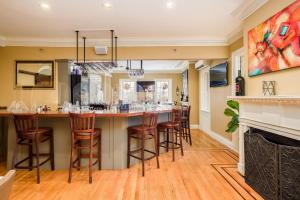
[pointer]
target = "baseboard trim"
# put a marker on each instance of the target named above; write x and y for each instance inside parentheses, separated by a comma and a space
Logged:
(220, 139)
(194, 126)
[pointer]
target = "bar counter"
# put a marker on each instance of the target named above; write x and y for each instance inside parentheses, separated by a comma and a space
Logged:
(114, 136)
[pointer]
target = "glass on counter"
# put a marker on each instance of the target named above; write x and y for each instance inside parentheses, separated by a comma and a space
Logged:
(18, 107)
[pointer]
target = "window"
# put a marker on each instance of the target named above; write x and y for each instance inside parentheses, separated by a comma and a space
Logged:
(127, 90)
(204, 90)
(163, 90)
(96, 92)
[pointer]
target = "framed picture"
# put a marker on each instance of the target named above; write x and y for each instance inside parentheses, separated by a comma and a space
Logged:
(274, 45)
(34, 74)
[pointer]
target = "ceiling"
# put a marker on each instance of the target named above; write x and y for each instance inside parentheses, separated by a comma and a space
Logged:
(170, 66)
(208, 21)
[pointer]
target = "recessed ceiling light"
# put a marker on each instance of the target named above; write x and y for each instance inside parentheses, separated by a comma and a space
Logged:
(107, 4)
(45, 6)
(170, 4)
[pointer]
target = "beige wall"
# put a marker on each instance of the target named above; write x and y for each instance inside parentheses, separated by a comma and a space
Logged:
(253, 84)
(219, 96)
(193, 76)
(218, 99)
(176, 80)
(8, 56)
(287, 81)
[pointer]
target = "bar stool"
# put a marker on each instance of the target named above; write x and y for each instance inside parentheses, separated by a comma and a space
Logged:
(174, 129)
(31, 135)
(186, 110)
(143, 132)
(83, 131)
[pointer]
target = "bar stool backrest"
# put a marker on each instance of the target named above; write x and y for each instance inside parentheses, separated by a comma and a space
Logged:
(186, 110)
(25, 123)
(176, 115)
(81, 123)
(150, 120)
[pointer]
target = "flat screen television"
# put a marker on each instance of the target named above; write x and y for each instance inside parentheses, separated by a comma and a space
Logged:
(218, 75)
(142, 86)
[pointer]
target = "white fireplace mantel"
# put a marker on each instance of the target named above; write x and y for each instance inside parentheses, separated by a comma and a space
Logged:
(276, 114)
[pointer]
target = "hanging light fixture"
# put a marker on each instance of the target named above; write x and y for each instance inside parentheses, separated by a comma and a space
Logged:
(97, 67)
(135, 73)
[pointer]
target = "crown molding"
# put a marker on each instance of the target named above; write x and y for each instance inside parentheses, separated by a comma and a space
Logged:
(247, 8)
(2, 41)
(121, 42)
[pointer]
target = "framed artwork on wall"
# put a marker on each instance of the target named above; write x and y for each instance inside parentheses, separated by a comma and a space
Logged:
(34, 74)
(274, 45)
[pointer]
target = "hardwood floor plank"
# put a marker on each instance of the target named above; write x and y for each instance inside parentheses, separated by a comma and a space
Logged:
(207, 171)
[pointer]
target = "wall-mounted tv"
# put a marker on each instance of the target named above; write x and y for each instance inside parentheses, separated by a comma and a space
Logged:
(143, 86)
(218, 75)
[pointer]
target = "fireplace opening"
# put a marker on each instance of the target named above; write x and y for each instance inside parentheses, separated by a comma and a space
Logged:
(272, 164)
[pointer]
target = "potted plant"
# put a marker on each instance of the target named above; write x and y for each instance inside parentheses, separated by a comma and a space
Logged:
(233, 125)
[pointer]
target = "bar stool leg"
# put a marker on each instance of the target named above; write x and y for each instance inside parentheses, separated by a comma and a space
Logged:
(156, 148)
(91, 160)
(143, 154)
(30, 155)
(173, 146)
(71, 159)
(128, 149)
(186, 132)
(180, 140)
(189, 132)
(158, 141)
(99, 152)
(36, 142)
(78, 155)
(167, 145)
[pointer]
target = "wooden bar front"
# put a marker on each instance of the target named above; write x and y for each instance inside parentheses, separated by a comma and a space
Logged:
(114, 136)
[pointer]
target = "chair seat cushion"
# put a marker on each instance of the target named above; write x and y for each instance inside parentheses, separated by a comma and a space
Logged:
(138, 128)
(86, 135)
(168, 124)
(41, 132)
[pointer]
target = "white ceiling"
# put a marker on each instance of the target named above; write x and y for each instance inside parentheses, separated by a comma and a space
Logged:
(174, 66)
(134, 20)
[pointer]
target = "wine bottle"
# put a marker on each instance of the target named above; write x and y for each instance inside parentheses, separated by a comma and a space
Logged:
(239, 85)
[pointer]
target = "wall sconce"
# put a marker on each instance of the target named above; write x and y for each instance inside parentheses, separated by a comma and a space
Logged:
(177, 91)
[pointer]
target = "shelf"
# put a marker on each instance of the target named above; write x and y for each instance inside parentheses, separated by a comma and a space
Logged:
(267, 99)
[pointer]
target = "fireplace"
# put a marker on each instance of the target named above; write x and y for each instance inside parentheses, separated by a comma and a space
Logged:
(269, 145)
(272, 164)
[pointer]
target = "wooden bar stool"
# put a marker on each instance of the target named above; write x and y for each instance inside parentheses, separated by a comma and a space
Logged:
(143, 132)
(31, 135)
(83, 131)
(174, 129)
(186, 110)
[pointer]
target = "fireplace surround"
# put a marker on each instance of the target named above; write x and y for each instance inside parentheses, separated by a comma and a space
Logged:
(269, 131)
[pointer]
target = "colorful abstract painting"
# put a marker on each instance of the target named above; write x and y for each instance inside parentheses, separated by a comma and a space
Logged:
(275, 45)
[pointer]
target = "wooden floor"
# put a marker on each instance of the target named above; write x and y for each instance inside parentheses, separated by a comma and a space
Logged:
(207, 171)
